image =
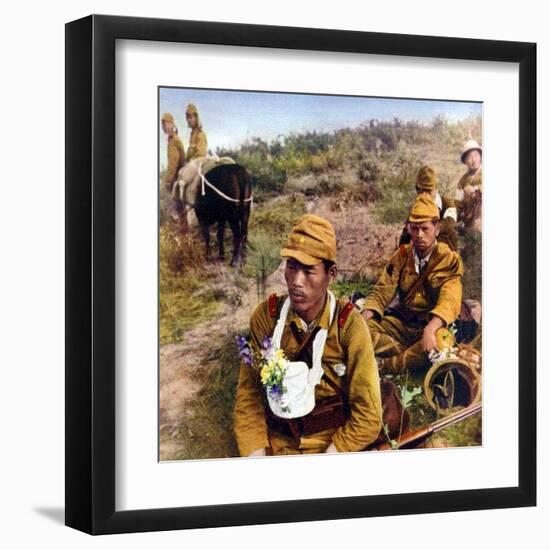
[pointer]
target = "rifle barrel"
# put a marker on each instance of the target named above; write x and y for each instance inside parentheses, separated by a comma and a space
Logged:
(421, 434)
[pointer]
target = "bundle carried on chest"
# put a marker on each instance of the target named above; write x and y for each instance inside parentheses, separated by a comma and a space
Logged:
(308, 416)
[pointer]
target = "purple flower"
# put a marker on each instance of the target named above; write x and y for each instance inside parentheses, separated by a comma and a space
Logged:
(276, 390)
(266, 342)
(241, 341)
(245, 353)
(242, 344)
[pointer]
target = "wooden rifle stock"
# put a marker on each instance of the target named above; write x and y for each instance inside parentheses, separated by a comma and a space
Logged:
(413, 438)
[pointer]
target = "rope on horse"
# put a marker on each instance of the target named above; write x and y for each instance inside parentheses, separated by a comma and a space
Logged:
(204, 182)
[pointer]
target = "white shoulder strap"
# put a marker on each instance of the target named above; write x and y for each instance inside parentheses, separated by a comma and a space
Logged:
(279, 327)
(316, 372)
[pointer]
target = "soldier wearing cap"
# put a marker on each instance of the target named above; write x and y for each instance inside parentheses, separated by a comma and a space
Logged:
(469, 190)
(198, 145)
(426, 182)
(425, 277)
(175, 151)
(349, 370)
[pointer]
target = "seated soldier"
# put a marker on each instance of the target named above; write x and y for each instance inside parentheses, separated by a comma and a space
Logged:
(426, 276)
(347, 409)
(198, 147)
(426, 182)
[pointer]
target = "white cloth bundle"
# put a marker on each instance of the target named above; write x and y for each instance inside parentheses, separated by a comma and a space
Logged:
(299, 381)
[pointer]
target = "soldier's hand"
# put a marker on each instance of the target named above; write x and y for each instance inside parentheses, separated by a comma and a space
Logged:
(258, 452)
(331, 449)
(367, 314)
(429, 341)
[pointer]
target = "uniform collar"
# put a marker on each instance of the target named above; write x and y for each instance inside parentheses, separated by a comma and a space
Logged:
(322, 320)
(476, 173)
(421, 262)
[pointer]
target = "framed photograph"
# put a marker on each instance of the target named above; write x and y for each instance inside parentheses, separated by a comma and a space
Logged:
(291, 295)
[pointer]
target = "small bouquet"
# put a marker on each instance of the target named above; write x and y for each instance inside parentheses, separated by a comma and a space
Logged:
(271, 363)
(446, 344)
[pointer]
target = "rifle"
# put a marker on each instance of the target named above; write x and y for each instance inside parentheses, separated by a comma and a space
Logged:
(413, 438)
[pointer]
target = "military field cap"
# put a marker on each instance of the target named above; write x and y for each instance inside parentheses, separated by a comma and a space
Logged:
(423, 210)
(426, 179)
(311, 240)
(470, 145)
(167, 117)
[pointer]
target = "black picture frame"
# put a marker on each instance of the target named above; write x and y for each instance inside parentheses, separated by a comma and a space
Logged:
(90, 274)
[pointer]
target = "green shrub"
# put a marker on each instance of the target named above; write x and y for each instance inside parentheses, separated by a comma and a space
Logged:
(345, 286)
(263, 258)
(277, 218)
(396, 189)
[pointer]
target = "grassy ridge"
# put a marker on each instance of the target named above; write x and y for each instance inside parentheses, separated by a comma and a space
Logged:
(381, 157)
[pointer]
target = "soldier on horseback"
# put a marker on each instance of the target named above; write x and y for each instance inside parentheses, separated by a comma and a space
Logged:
(198, 144)
(176, 161)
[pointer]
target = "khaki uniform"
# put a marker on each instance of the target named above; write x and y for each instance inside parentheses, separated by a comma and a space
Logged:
(397, 337)
(475, 180)
(198, 146)
(176, 159)
(469, 207)
(350, 345)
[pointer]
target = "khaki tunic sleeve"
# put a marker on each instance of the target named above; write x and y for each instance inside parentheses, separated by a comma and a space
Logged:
(201, 146)
(386, 286)
(478, 181)
(249, 414)
(176, 158)
(365, 422)
(198, 146)
(450, 293)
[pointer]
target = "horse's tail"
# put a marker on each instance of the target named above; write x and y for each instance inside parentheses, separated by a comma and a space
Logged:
(245, 203)
(245, 187)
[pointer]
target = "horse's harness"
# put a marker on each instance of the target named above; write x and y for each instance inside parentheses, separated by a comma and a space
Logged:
(205, 182)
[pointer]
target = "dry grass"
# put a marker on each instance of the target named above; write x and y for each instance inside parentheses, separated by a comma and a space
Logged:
(208, 429)
(186, 295)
